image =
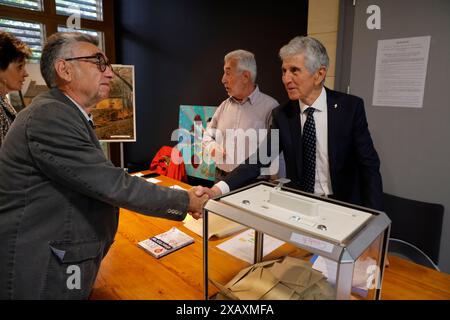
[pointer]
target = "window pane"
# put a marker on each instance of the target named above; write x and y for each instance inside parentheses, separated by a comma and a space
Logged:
(89, 9)
(30, 33)
(25, 4)
(97, 34)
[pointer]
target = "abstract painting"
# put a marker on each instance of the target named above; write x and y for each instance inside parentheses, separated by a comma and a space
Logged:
(192, 123)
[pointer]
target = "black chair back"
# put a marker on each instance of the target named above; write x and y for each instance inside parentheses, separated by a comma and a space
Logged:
(418, 223)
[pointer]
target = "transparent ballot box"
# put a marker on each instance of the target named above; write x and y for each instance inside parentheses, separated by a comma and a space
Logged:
(292, 245)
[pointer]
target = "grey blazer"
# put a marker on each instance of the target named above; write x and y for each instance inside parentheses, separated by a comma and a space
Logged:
(59, 199)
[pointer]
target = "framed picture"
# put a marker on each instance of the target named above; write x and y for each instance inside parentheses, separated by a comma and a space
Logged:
(114, 117)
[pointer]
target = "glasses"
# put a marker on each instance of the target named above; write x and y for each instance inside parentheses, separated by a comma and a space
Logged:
(101, 62)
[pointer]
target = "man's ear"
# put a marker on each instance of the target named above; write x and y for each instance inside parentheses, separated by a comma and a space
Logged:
(64, 70)
(247, 75)
(320, 75)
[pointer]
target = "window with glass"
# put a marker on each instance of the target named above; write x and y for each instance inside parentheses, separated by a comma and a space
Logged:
(33, 21)
(25, 4)
(30, 33)
(88, 9)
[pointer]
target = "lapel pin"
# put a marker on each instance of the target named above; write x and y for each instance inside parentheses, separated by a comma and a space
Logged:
(335, 106)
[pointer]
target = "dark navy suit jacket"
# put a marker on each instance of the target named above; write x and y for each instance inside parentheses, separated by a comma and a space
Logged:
(353, 161)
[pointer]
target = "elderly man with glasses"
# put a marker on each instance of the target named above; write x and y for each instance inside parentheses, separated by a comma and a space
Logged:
(59, 195)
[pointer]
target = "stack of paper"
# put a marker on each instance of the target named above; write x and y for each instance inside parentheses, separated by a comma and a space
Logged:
(290, 279)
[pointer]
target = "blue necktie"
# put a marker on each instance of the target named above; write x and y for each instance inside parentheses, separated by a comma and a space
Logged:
(309, 152)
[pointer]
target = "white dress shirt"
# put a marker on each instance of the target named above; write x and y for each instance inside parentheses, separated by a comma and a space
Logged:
(322, 185)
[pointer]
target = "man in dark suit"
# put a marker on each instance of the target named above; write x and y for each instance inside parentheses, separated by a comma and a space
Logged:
(323, 133)
(59, 194)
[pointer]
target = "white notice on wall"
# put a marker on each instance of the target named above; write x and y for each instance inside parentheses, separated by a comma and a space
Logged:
(400, 72)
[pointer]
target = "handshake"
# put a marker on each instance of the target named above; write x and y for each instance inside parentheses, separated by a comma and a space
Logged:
(197, 198)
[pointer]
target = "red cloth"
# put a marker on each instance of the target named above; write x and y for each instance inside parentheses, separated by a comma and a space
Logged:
(168, 162)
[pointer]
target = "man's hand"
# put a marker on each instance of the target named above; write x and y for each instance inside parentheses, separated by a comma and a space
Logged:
(196, 203)
(213, 192)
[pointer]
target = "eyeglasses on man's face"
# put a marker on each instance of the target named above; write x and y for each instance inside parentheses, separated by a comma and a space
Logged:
(100, 60)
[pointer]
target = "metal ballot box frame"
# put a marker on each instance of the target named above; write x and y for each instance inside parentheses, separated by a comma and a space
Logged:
(372, 230)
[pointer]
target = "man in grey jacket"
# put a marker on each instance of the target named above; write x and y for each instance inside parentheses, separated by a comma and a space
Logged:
(59, 195)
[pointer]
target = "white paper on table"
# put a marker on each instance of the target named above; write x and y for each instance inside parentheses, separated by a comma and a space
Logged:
(218, 226)
(188, 218)
(361, 273)
(177, 187)
(153, 180)
(139, 174)
(327, 267)
(242, 246)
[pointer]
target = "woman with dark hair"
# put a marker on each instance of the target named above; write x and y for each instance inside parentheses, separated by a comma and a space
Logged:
(13, 55)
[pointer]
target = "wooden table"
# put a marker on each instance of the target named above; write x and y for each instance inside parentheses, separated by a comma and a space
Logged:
(128, 272)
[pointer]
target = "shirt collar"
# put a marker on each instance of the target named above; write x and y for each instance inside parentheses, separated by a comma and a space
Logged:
(320, 104)
(87, 116)
(251, 98)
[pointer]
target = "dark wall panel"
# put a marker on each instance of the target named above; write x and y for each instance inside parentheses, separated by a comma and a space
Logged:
(177, 47)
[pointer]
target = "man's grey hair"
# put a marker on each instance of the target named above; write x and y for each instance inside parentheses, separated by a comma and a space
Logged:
(60, 45)
(314, 52)
(245, 61)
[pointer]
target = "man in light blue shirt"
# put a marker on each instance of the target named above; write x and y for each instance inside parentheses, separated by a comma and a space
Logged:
(233, 133)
